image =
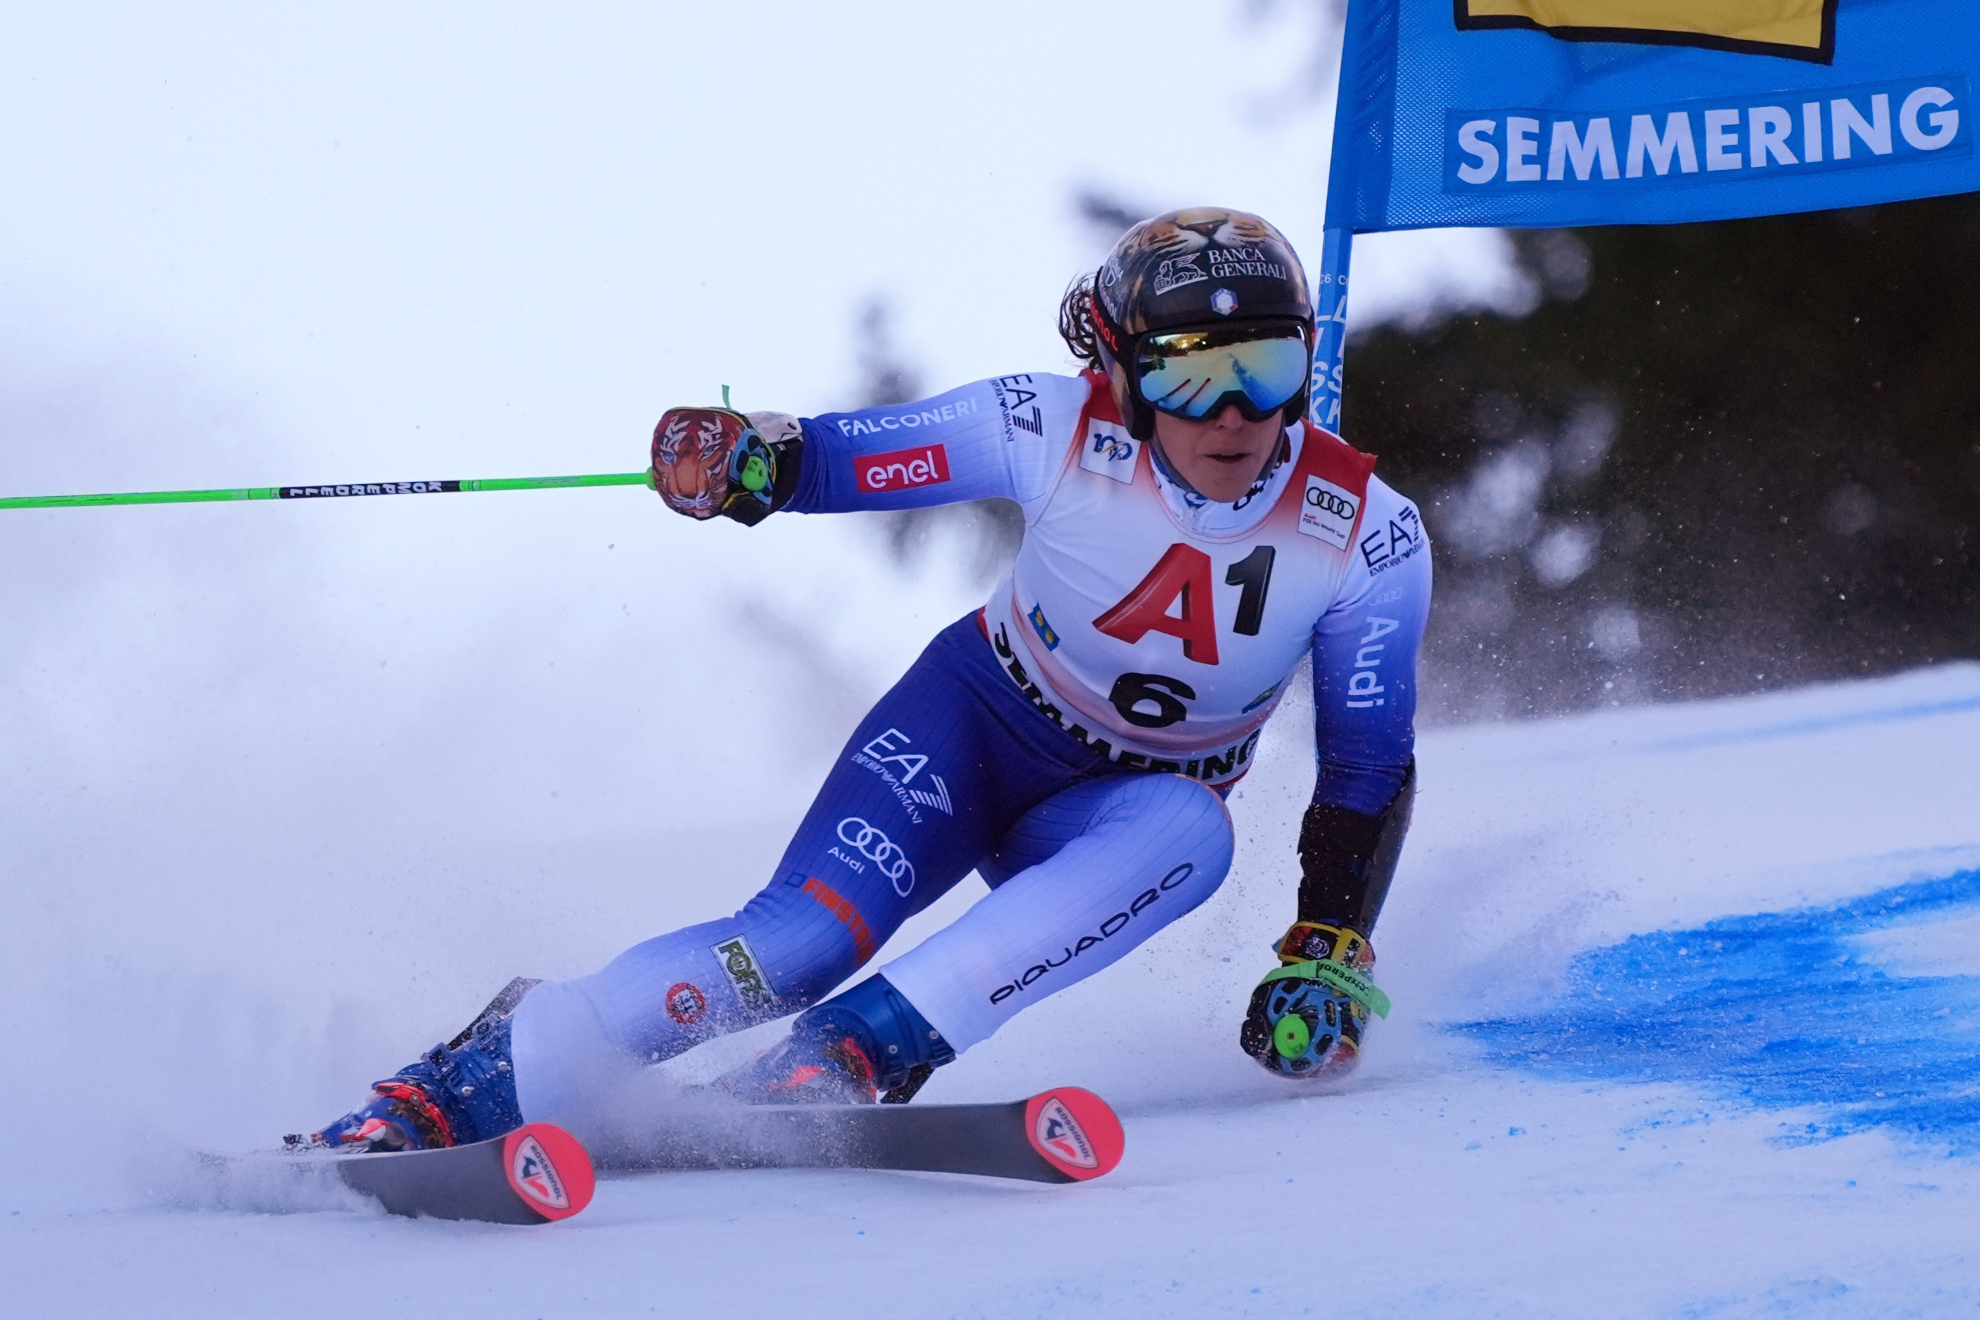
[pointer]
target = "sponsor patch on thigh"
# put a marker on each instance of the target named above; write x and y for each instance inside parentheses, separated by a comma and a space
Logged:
(745, 974)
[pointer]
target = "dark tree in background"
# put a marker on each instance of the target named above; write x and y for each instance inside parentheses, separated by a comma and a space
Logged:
(1717, 458)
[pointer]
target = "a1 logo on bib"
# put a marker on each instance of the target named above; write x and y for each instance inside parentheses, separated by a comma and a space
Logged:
(1328, 512)
(1109, 450)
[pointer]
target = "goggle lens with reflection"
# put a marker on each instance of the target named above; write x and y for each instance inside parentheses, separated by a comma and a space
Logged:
(1194, 373)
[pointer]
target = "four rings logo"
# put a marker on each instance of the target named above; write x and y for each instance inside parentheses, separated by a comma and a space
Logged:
(883, 851)
(1319, 497)
(1328, 512)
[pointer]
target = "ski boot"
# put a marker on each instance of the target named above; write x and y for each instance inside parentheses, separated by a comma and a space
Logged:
(456, 1093)
(848, 1050)
(1307, 1016)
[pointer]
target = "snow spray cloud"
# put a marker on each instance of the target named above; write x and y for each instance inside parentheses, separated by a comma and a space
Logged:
(289, 790)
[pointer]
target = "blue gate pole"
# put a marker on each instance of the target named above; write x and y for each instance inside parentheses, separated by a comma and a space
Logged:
(1330, 327)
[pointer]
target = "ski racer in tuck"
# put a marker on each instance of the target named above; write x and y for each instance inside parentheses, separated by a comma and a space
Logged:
(1189, 538)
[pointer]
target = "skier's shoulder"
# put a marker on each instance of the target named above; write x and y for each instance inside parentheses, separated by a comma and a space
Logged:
(1012, 406)
(1389, 548)
(1046, 389)
(1391, 528)
(1385, 499)
(1331, 459)
(1373, 505)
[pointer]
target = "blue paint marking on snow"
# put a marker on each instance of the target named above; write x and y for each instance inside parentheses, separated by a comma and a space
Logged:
(1780, 1010)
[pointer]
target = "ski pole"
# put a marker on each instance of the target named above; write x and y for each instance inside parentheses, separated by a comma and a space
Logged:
(341, 490)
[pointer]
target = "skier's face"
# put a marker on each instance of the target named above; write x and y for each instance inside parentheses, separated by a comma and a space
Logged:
(1220, 456)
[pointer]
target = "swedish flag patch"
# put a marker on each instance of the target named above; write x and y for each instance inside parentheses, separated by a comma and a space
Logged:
(1045, 633)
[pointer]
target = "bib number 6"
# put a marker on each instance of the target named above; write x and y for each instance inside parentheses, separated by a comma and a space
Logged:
(1133, 692)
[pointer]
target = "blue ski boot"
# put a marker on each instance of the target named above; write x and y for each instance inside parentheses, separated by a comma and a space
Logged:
(848, 1051)
(456, 1093)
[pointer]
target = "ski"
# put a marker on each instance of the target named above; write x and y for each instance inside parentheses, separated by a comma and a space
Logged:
(540, 1173)
(1066, 1134)
(537, 1174)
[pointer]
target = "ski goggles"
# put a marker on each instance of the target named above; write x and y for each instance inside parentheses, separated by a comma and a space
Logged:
(1195, 373)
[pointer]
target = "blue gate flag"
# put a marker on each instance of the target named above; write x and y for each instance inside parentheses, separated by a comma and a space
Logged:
(1534, 113)
(1539, 113)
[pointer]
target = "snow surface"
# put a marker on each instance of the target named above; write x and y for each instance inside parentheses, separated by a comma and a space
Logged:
(1686, 1002)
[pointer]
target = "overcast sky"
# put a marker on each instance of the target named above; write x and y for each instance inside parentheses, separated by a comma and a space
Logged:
(482, 239)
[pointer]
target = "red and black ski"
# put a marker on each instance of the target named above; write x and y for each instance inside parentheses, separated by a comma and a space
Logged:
(537, 1174)
(1063, 1135)
(540, 1173)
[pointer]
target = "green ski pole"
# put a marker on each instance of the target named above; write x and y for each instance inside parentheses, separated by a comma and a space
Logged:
(342, 490)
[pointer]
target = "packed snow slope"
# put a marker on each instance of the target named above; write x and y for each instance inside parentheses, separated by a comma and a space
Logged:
(1686, 996)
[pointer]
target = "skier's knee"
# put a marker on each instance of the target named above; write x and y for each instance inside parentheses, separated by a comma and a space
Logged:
(1193, 821)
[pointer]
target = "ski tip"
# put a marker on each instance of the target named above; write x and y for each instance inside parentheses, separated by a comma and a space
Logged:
(1075, 1131)
(549, 1169)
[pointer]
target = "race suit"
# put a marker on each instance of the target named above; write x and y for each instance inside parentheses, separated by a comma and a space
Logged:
(1071, 741)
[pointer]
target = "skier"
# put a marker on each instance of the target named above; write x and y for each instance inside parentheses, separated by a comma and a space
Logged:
(1188, 539)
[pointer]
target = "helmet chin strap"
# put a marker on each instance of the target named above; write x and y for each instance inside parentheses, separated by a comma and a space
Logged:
(1169, 470)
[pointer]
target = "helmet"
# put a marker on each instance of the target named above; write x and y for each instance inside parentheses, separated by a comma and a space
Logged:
(1203, 268)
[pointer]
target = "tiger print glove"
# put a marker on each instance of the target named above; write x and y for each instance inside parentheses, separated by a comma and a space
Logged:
(716, 461)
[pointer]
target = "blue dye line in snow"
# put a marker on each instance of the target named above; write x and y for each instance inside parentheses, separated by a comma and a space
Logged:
(1778, 1010)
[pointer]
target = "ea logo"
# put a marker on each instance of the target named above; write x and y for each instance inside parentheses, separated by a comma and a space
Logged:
(884, 852)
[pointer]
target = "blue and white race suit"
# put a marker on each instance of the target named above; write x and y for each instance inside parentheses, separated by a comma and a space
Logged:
(1071, 741)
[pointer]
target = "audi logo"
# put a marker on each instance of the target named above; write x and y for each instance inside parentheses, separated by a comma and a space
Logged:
(881, 850)
(1329, 502)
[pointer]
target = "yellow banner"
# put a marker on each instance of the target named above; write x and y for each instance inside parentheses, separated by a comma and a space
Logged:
(1801, 26)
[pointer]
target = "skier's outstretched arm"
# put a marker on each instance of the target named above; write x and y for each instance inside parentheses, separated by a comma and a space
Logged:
(1003, 437)
(1364, 708)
